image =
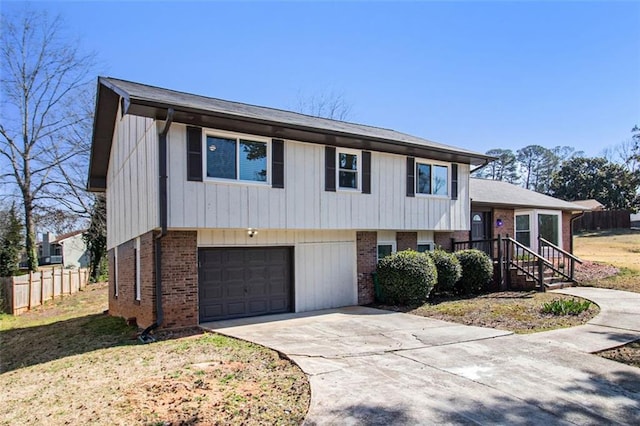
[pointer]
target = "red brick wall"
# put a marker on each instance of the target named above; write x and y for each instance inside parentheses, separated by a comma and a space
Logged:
(180, 279)
(508, 224)
(443, 239)
(367, 249)
(124, 305)
(406, 240)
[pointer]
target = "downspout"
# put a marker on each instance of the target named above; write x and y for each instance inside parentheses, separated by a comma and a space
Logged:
(162, 183)
(573, 218)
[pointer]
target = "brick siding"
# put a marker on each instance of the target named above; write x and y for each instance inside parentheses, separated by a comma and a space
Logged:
(179, 280)
(367, 249)
(406, 240)
(508, 225)
(566, 231)
(124, 305)
(443, 239)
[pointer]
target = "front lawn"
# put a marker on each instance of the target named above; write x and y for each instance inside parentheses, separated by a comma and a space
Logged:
(520, 312)
(68, 363)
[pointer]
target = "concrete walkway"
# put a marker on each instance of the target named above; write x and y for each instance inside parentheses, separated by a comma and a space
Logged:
(368, 366)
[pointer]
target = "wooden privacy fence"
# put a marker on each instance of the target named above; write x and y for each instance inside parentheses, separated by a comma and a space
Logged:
(603, 219)
(24, 292)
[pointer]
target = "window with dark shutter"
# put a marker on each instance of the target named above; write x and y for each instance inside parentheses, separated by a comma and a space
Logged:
(277, 163)
(411, 177)
(330, 168)
(194, 154)
(366, 172)
(454, 181)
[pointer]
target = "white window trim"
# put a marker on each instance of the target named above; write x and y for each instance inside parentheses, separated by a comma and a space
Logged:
(393, 245)
(115, 270)
(432, 163)
(138, 283)
(533, 225)
(358, 155)
(237, 136)
(432, 244)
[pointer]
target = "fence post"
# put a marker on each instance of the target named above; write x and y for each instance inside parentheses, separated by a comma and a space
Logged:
(41, 287)
(29, 298)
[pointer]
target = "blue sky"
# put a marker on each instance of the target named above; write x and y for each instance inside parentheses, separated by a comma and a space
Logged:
(478, 75)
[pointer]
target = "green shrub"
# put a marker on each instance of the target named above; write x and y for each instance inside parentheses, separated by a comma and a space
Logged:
(406, 277)
(565, 307)
(449, 270)
(477, 271)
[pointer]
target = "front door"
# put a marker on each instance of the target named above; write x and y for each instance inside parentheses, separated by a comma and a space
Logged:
(480, 231)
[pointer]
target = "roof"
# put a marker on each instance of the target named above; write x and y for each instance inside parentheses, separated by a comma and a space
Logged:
(68, 235)
(154, 102)
(590, 204)
(498, 193)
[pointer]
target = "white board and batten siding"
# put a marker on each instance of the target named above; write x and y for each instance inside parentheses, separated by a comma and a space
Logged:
(303, 203)
(132, 179)
(324, 262)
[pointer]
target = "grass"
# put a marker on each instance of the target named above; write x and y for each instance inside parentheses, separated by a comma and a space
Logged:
(619, 248)
(68, 363)
(520, 312)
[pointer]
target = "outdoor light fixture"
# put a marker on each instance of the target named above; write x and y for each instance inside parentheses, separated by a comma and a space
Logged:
(499, 223)
(251, 232)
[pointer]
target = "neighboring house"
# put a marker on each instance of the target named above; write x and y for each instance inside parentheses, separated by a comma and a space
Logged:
(501, 208)
(230, 210)
(592, 205)
(68, 250)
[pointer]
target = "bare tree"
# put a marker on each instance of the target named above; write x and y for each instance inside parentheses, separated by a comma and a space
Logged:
(326, 105)
(45, 84)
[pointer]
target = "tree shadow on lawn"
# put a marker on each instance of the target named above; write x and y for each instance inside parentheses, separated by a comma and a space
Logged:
(24, 347)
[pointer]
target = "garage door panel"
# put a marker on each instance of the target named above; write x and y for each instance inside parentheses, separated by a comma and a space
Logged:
(238, 282)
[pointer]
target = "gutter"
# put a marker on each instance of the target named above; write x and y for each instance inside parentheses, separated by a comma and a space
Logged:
(162, 182)
(487, 161)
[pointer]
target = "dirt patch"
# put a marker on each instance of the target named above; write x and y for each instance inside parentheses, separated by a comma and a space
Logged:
(520, 312)
(89, 368)
(628, 354)
(590, 271)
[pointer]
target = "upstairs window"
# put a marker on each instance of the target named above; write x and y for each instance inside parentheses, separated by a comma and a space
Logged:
(348, 169)
(432, 179)
(236, 159)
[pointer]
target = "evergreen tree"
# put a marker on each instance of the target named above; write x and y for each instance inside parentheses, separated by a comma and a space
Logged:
(96, 236)
(11, 245)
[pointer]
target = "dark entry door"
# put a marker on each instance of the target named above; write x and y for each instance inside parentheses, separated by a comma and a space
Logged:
(480, 231)
(243, 282)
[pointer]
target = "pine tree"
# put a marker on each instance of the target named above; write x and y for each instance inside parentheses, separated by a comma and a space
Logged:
(11, 245)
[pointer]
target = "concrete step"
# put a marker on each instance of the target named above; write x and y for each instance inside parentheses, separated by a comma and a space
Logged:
(558, 285)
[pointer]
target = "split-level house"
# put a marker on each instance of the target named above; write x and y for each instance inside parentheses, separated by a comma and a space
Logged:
(219, 209)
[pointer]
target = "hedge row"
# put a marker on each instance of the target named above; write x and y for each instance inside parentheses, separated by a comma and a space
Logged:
(408, 277)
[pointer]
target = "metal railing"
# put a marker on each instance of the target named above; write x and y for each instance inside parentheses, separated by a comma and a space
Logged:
(508, 254)
(561, 262)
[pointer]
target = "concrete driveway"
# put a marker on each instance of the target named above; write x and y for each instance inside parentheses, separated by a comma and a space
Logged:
(369, 366)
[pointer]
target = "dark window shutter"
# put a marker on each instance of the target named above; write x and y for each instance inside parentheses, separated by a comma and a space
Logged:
(454, 181)
(194, 154)
(366, 172)
(330, 168)
(277, 163)
(411, 177)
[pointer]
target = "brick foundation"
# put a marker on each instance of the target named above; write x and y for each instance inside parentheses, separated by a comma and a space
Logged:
(179, 280)
(125, 304)
(443, 239)
(406, 240)
(367, 257)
